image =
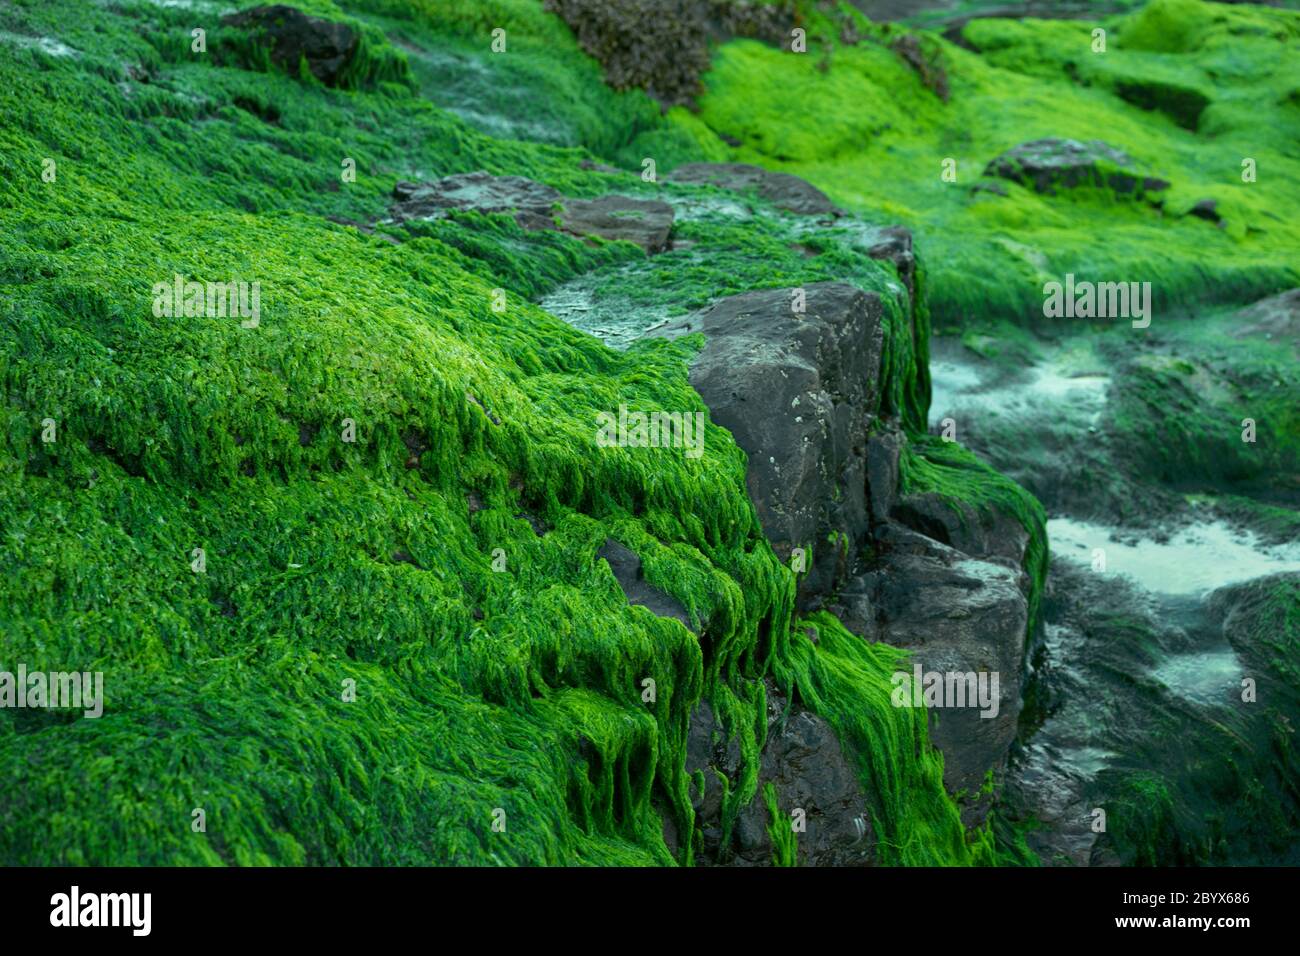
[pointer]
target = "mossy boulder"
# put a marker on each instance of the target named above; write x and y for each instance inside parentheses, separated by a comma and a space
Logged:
(647, 223)
(1048, 165)
(295, 39)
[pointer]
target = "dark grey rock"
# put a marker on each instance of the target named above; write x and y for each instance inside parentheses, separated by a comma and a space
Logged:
(796, 392)
(1181, 103)
(535, 205)
(895, 246)
(782, 190)
(626, 565)
(883, 450)
(955, 613)
(1276, 318)
(713, 751)
(989, 535)
(1207, 209)
(648, 223)
(1047, 165)
(803, 760)
(294, 36)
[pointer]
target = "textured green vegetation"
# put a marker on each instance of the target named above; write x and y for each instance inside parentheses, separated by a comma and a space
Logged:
(860, 123)
(785, 841)
(328, 561)
(1180, 408)
(546, 90)
(847, 681)
(720, 255)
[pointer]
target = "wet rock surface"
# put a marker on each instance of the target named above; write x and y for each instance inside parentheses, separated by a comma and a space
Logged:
(1277, 318)
(326, 47)
(795, 390)
(990, 535)
(957, 615)
(626, 565)
(648, 223)
(782, 190)
(532, 203)
(1046, 165)
(883, 450)
(804, 762)
(895, 246)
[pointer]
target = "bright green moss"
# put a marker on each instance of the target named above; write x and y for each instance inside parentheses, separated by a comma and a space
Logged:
(785, 841)
(913, 819)
(868, 131)
(499, 713)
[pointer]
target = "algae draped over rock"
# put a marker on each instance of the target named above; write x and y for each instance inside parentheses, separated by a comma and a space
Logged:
(340, 569)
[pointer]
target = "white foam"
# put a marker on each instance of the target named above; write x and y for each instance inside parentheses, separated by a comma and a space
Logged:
(1194, 561)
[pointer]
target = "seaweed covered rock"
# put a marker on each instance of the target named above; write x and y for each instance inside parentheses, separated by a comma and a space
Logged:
(894, 245)
(295, 37)
(1181, 102)
(927, 63)
(803, 771)
(626, 567)
(797, 389)
(647, 223)
(780, 189)
(992, 535)
(663, 47)
(1046, 165)
(532, 203)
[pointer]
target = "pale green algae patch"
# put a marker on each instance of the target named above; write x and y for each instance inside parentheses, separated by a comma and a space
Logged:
(858, 122)
(481, 696)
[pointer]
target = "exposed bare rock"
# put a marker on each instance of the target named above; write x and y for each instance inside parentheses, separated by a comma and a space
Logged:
(1276, 318)
(783, 190)
(648, 223)
(796, 390)
(626, 565)
(955, 614)
(992, 535)
(533, 203)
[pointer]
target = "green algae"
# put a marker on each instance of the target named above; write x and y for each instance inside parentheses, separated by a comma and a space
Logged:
(785, 839)
(1224, 419)
(352, 676)
(913, 820)
(861, 125)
